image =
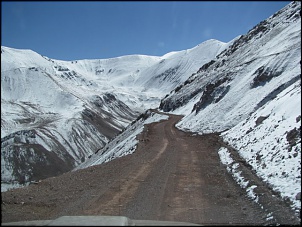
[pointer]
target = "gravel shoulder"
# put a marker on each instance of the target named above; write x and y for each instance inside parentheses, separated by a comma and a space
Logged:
(172, 176)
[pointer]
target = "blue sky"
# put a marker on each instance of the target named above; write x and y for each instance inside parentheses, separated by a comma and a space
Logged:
(98, 30)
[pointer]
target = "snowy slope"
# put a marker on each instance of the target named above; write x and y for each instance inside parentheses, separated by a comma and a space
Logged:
(270, 141)
(175, 67)
(48, 124)
(252, 93)
(58, 113)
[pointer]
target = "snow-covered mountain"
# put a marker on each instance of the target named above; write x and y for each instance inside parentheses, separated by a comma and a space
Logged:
(251, 92)
(55, 114)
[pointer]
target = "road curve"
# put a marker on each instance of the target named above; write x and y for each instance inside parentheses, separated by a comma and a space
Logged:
(172, 176)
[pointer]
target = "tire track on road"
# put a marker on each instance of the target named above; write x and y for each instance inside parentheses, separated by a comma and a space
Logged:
(127, 188)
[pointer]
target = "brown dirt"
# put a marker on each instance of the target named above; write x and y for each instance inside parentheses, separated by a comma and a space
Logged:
(172, 176)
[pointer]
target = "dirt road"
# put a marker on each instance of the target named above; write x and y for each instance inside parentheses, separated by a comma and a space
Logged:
(172, 176)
